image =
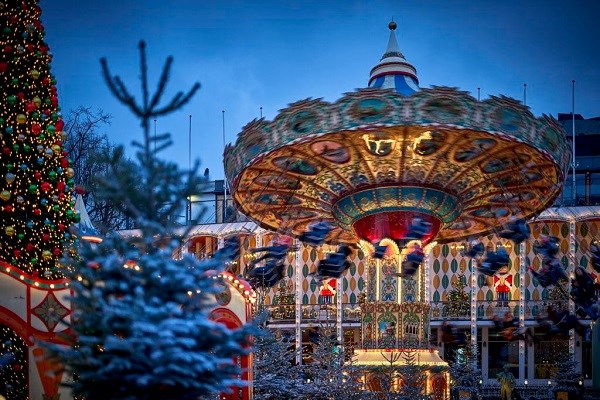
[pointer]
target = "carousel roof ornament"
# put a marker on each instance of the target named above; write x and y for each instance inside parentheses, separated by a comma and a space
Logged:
(376, 159)
(393, 71)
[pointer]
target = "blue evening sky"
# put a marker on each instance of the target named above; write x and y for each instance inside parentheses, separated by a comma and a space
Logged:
(252, 54)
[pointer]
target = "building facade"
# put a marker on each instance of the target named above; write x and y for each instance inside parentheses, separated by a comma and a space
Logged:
(298, 304)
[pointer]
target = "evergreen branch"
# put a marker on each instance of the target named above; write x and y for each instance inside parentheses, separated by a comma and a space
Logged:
(162, 83)
(178, 101)
(144, 76)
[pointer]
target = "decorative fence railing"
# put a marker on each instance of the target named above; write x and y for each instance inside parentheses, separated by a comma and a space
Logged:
(487, 309)
(286, 313)
(440, 310)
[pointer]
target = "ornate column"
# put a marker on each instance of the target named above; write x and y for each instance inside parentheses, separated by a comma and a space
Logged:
(473, 304)
(340, 309)
(298, 287)
(522, 288)
(570, 271)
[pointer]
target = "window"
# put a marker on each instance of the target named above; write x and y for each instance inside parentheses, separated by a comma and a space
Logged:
(501, 353)
(545, 354)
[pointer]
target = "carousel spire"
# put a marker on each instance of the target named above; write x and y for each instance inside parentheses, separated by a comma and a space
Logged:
(85, 228)
(393, 71)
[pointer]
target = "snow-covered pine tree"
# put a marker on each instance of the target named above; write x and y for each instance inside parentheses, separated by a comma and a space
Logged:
(458, 299)
(329, 375)
(566, 376)
(412, 375)
(141, 327)
(465, 371)
(276, 374)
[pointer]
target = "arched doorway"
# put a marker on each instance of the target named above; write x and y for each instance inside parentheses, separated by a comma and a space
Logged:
(231, 321)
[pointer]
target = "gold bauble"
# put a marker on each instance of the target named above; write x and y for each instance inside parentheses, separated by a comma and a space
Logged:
(9, 230)
(5, 195)
(70, 172)
(21, 119)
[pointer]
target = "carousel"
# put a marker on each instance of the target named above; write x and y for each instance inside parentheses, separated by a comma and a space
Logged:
(392, 169)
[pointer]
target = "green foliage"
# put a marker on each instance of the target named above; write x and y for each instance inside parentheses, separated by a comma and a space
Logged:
(458, 299)
(565, 375)
(276, 374)
(330, 374)
(37, 177)
(141, 327)
(465, 371)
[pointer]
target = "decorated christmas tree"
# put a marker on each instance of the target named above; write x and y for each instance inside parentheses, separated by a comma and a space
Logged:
(465, 371)
(141, 324)
(35, 199)
(276, 374)
(458, 299)
(566, 375)
(413, 377)
(329, 373)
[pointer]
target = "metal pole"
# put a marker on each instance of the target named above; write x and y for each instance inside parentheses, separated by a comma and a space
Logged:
(525, 94)
(154, 136)
(261, 112)
(478, 94)
(573, 165)
(224, 176)
(189, 212)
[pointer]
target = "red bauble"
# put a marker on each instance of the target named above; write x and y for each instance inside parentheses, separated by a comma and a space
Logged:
(30, 47)
(37, 176)
(35, 129)
(17, 367)
(7, 49)
(6, 150)
(61, 227)
(13, 20)
(45, 237)
(21, 96)
(64, 163)
(17, 253)
(53, 90)
(59, 125)
(79, 189)
(61, 195)
(29, 247)
(56, 251)
(30, 107)
(61, 186)
(45, 82)
(3, 67)
(8, 208)
(45, 187)
(37, 211)
(54, 100)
